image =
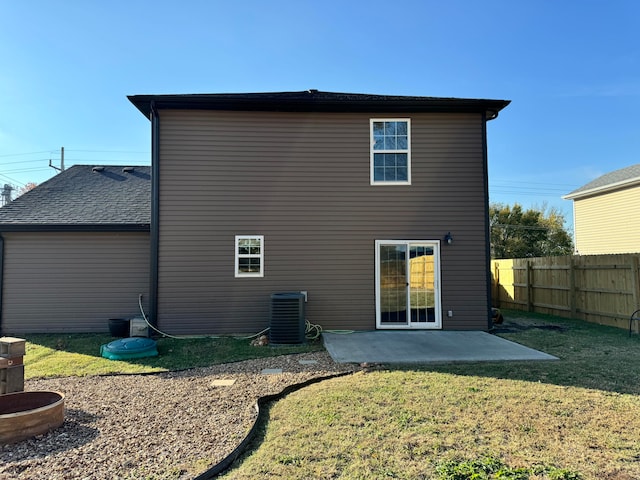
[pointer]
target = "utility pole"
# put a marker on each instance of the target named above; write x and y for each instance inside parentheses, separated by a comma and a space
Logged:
(6, 194)
(61, 168)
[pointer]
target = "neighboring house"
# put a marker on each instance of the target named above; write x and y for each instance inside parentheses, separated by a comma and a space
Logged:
(375, 206)
(346, 197)
(75, 251)
(605, 212)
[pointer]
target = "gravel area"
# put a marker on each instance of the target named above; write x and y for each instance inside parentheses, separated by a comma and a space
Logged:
(157, 426)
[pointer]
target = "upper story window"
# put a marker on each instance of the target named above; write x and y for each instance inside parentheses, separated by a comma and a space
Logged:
(249, 256)
(390, 151)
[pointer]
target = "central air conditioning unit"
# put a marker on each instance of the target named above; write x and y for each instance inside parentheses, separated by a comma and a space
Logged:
(287, 318)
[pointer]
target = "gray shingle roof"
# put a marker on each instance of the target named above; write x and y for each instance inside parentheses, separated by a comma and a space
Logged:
(84, 197)
(623, 177)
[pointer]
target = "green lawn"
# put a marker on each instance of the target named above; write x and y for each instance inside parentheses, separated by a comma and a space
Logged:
(578, 417)
(53, 355)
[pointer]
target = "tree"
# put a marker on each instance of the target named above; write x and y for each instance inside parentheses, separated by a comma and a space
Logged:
(536, 232)
(28, 186)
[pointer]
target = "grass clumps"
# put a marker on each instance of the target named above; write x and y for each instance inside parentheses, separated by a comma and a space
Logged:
(577, 418)
(59, 355)
(492, 468)
(406, 423)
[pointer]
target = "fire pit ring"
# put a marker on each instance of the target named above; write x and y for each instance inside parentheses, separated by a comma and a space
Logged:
(27, 414)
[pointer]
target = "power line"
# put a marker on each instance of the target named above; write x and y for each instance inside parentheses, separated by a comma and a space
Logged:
(25, 170)
(528, 188)
(103, 160)
(26, 161)
(530, 183)
(108, 151)
(527, 193)
(27, 153)
(55, 150)
(519, 227)
(13, 180)
(89, 160)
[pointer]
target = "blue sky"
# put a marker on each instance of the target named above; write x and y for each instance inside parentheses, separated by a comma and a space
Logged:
(570, 67)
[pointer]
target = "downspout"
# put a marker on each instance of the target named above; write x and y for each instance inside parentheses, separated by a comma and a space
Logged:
(485, 168)
(155, 216)
(1, 280)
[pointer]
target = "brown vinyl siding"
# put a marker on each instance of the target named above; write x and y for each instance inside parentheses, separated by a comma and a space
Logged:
(72, 282)
(302, 180)
(602, 222)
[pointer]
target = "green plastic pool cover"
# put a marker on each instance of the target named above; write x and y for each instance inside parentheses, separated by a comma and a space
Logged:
(126, 348)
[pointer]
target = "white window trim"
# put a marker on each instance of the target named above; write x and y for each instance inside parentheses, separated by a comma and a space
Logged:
(407, 151)
(437, 282)
(238, 256)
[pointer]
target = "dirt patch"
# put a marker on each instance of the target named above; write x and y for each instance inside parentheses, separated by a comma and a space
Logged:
(514, 326)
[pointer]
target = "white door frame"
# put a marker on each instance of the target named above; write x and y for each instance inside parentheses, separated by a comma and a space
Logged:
(409, 325)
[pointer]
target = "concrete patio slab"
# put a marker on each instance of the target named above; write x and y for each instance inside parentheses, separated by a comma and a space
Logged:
(425, 346)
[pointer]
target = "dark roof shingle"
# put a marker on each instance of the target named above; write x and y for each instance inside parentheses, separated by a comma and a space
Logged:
(81, 196)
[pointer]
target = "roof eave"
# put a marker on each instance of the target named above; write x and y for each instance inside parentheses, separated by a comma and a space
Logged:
(258, 102)
(603, 189)
(17, 227)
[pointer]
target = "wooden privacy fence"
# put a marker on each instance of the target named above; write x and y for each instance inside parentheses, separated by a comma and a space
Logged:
(420, 269)
(603, 289)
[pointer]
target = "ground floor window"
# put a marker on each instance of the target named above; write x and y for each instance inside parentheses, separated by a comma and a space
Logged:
(249, 255)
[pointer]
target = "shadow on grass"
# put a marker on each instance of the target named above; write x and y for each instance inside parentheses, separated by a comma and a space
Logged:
(46, 351)
(591, 356)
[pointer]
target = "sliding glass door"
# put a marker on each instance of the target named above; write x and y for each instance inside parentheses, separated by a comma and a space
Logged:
(407, 284)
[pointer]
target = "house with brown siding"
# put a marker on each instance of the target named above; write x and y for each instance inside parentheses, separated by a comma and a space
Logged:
(603, 211)
(75, 251)
(374, 206)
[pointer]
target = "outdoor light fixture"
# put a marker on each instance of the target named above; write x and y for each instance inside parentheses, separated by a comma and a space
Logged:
(448, 238)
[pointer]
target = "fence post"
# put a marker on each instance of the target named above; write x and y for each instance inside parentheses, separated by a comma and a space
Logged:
(496, 285)
(635, 281)
(572, 287)
(529, 278)
(635, 284)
